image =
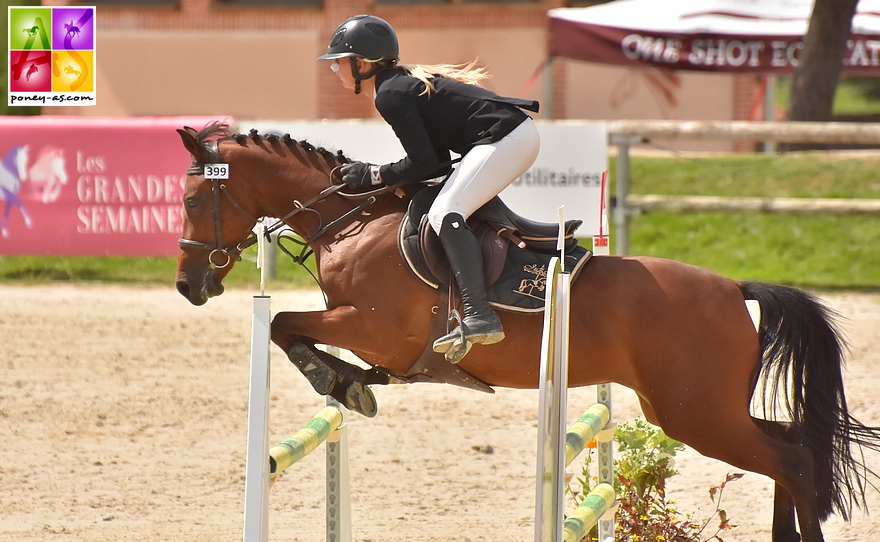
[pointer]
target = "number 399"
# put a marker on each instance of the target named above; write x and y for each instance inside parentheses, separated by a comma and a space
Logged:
(216, 171)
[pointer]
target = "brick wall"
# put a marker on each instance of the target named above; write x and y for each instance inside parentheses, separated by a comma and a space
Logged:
(333, 100)
(508, 37)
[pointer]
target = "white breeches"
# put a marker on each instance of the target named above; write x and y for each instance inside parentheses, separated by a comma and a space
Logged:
(484, 172)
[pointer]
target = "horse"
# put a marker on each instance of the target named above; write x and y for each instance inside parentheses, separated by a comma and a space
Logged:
(13, 170)
(680, 336)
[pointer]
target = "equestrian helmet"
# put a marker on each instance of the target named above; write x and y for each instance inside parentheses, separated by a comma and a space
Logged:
(363, 36)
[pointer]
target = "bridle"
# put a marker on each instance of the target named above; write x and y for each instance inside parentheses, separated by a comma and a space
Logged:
(231, 253)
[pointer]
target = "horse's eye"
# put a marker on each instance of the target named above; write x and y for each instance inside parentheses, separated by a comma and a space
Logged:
(192, 202)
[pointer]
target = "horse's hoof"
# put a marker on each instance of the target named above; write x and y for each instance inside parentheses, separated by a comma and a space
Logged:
(320, 376)
(360, 399)
(458, 351)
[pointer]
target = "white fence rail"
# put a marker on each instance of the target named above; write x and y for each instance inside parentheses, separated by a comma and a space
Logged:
(625, 133)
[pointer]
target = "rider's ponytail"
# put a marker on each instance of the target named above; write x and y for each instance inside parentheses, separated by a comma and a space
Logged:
(465, 73)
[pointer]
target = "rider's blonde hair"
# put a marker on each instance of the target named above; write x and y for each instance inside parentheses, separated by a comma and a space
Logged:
(468, 73)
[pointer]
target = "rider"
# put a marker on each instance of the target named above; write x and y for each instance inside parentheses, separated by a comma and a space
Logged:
(434, 110)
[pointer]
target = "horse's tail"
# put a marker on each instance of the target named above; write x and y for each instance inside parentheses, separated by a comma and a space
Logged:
(802, 357)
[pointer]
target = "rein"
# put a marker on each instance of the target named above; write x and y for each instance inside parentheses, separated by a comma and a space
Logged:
(234, 252)
(306, 245)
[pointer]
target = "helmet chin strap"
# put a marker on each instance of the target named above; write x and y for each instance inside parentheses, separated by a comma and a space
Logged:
(358, 76)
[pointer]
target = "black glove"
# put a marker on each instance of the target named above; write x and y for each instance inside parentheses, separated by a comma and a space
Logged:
(360, 175)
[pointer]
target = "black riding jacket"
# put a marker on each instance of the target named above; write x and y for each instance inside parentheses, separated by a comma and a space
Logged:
(456, 117)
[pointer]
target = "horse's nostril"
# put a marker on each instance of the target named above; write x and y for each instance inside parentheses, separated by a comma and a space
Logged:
(183, 288)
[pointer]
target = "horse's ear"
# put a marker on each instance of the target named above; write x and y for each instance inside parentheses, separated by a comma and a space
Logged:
(192, 144)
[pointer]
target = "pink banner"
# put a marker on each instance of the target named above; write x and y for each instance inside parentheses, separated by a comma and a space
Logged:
(79, 186)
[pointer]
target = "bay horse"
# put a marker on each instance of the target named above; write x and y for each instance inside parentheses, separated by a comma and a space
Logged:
(680, 336)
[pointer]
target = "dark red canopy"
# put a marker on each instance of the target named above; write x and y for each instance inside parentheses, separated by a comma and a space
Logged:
(746, 36)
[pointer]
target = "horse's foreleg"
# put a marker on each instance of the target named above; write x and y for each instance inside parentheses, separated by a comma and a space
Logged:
(376, 340)
(343, 381)
(297, 332)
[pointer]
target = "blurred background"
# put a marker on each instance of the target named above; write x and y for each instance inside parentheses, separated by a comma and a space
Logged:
(254, 60)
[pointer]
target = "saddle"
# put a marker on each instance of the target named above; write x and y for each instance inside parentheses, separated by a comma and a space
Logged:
(516, 251)
(516, 255)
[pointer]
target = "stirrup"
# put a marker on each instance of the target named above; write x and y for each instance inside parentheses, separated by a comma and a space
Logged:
(457, 343)
(457, 351)
(464, 340)
(445, 342)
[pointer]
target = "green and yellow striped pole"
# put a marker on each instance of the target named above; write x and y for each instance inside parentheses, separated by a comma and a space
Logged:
(304, 441)
(588, 513)
(584, 430)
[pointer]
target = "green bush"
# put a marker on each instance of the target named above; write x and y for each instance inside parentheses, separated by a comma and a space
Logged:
(644, 461)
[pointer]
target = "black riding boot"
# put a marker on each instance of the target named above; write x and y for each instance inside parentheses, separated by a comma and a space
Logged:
(480, 324)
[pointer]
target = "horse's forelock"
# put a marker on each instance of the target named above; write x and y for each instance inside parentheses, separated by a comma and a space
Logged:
(214, 130)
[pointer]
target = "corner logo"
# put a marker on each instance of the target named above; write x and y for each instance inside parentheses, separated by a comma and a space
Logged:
(51, 55)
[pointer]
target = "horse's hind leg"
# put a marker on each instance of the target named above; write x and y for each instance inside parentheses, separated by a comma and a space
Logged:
(737, 440)
(784, 527)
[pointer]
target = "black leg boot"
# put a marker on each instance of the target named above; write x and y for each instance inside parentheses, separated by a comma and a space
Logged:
(480, 324)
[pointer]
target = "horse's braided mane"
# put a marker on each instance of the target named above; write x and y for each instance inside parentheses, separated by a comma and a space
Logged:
(220, 131)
